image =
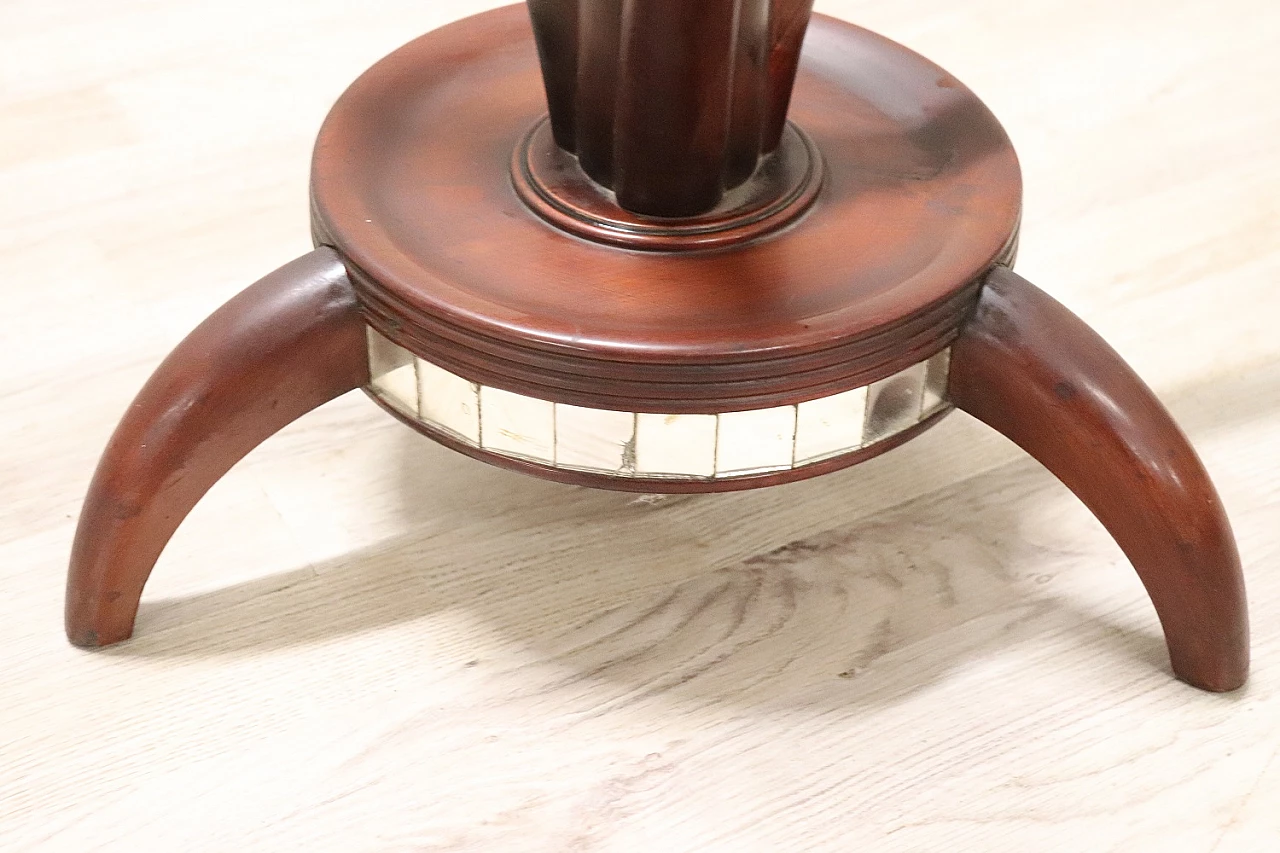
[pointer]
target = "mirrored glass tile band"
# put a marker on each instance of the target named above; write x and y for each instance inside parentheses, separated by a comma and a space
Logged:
(651, 444)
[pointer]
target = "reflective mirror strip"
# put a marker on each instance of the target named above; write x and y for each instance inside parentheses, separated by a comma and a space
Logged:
(651, 444)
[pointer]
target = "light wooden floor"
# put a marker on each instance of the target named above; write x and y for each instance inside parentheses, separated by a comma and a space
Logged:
(360, 641)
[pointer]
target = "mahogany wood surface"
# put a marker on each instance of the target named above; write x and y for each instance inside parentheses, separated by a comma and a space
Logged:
(552, 183)
(280, 348)
(921, 195)
(669, 103)
(1035, 372)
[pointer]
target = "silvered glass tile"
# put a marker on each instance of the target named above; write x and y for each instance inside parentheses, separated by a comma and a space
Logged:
(625, 444)
(830, 426)
(391, 373)
(517, 425)
(449, 402)
(937, 371)
(755, 441)
(675, 445)
(893, 403)
(595, 440)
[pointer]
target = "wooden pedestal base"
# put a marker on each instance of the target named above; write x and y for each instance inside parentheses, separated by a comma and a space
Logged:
(900, 203)
(1024, 365)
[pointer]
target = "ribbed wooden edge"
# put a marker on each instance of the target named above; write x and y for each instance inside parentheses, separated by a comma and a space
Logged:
(690, 387)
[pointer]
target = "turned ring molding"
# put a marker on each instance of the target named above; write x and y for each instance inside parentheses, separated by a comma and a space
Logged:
(553, 185)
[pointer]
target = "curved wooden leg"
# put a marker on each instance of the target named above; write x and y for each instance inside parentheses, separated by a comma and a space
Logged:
(1031, 369)
(277, 350)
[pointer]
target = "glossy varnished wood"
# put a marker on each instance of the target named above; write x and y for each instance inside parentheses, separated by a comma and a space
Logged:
(667, 103)
(667, 127)
(788, 20)
(1032, 370)
(363, 640)
(921, 195)
(551, 182)
(671, 130)
(285, 345)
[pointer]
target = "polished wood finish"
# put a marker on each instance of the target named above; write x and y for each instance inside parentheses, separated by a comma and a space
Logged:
(556, 30)
(1032, 370)
(921, 195)
(671, 127)
(788, 20)
(551, 183)
(782, 263)
(282, 347)
(669, 104)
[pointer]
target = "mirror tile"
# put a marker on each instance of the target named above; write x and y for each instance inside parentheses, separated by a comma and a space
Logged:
(449, 402)
(625, 444)
(595, 440)
(893, 404)
(830, 426)
(937, 373)
(517, 425)
(755, 441)
(393, 375)
(675, 445)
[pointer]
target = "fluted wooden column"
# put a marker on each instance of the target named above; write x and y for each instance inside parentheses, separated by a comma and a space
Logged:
(666, 102)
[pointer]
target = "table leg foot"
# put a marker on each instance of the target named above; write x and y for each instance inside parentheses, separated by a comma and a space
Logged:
(1032, 370)
(277, 350)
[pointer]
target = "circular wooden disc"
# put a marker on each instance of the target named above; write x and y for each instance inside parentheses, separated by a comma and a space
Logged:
(411, 183)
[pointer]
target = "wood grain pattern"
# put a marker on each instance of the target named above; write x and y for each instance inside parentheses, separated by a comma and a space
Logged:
(361, 641)
(922, 193)
(1031, 369)
(287, 344)
(666, 103)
